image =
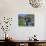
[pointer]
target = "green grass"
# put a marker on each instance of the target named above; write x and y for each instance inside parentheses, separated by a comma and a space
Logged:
(21, 22)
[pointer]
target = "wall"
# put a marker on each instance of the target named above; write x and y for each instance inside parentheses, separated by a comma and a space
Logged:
(11, 8)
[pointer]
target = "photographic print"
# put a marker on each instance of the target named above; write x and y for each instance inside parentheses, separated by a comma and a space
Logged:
(26, 19)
